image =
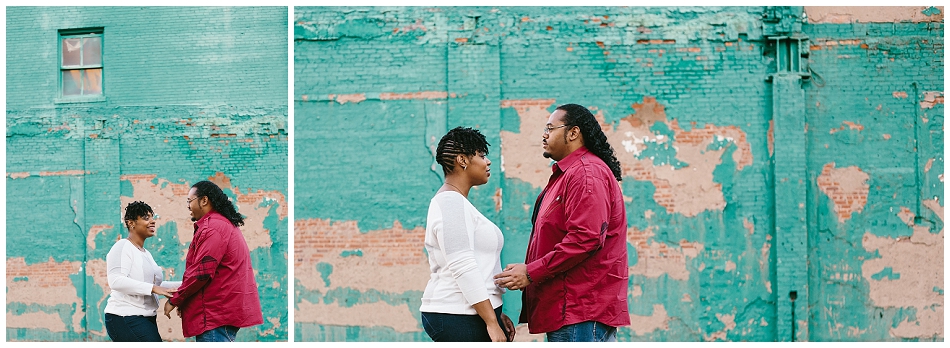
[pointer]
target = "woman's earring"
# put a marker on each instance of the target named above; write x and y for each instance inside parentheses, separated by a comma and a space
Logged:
(463, 167)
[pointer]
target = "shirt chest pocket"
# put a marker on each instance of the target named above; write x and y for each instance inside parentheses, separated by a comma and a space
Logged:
(554, 211)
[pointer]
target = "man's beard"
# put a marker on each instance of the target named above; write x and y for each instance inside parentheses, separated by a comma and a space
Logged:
(546, 155)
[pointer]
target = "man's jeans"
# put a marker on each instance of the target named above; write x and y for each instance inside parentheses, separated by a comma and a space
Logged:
(225, 333)
(588, 331)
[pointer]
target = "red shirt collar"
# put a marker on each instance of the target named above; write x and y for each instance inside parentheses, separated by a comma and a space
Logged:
(204, 219)
(569, 161)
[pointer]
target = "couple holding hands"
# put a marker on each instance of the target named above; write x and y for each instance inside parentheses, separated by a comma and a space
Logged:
(218, 293)
(574, 279)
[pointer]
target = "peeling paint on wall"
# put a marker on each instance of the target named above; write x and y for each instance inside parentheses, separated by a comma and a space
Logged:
(414, 95)
(348, 98)
(642, 325)
(23, 282)
(396, 250)
(684, 98)
(400, 318)
(521, 150)
(846, 187)
(83, 160)
(870, 14)
(914, 280)
(931, 99)
(655, 259)
(684, 183)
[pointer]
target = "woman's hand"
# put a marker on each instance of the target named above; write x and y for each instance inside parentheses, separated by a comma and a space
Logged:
(167, 292)
(509, 327)
(496, 333)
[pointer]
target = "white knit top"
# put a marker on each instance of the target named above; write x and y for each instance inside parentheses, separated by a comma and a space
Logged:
(132, 273)
(464, 251)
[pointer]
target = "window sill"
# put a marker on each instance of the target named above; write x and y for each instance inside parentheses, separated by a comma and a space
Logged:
(71, 100)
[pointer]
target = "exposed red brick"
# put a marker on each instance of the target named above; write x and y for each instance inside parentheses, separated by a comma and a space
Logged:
(414, 95)
(63, 173)
(846, 187)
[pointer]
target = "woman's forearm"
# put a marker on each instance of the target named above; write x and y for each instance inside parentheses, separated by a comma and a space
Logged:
(487, 313)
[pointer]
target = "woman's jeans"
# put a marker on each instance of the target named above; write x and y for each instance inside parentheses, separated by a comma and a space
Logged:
(588, 331)
(132, 328)
(443, 327)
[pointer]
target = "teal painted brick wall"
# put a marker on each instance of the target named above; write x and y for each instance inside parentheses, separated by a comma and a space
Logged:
(149, 61)
(875, 168)
(189, 94)
(684, 98)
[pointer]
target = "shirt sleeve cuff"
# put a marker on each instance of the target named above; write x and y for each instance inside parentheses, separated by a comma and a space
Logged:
(537, 271)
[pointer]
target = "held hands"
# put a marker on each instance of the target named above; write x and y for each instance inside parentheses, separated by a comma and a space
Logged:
(167, 292)
(514, 277)
(496, 333)
(168, 309)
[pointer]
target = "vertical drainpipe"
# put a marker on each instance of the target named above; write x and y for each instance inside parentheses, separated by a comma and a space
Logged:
(782, 27)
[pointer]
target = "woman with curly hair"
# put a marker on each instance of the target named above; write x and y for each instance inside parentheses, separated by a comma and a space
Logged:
(135, 280)
(461, 303)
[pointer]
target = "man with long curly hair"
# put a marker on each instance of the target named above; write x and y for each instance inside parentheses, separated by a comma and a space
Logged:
(574, 279)
(218, 294)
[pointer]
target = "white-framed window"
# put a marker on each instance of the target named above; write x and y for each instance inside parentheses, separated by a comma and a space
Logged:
(80, 63)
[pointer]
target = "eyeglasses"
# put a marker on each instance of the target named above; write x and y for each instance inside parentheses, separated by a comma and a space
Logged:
(549, 129)
(190, 200)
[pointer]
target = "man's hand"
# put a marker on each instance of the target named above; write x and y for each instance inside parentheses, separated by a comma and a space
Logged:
(514, 277)
(509, 327)
(168, 309)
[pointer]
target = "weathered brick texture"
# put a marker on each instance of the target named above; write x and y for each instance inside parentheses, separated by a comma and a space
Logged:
(190, 94)
(723, 160)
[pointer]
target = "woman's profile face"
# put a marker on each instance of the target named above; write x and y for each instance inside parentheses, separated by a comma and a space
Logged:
(479, 168)
(143, 226)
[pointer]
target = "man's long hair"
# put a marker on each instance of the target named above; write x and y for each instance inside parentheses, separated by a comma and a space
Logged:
(219, 201)
(594, 138)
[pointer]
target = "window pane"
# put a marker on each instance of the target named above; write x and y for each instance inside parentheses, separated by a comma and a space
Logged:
(71, 52)
(92, 81)
(72, 82)
(91, 51)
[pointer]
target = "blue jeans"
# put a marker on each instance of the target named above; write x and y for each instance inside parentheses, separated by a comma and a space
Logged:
(588, 331)
(225, 333)
(443, 327)
(132, 328)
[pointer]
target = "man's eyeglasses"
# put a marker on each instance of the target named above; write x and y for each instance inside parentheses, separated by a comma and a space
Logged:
(187, 200)
(549, 129)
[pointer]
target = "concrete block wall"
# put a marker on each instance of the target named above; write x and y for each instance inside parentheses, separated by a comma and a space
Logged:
(190, 94)
(684, 97)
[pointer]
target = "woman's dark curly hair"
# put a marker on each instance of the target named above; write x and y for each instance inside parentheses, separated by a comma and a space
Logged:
(219, 201)
(594, 138)
(459, 141)
(135, 210)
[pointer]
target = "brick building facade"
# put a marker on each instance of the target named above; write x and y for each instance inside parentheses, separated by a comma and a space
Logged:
(106, 105)
(783, 166)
